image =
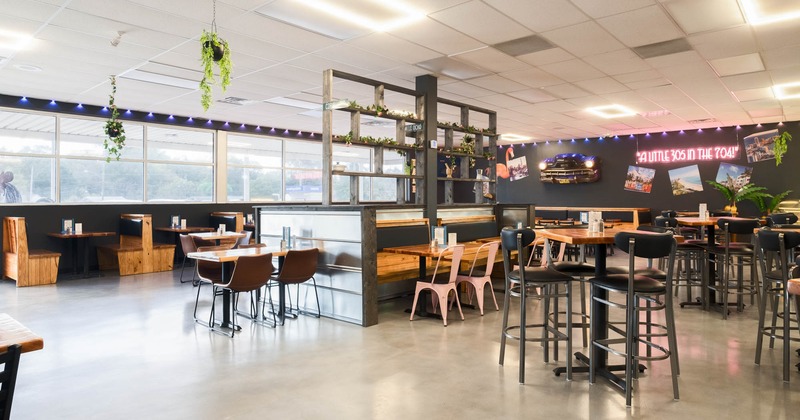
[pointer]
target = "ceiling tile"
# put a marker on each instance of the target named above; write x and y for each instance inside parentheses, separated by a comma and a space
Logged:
(782, 58)
(708, 15)
(553, 55)
(730, 66)
(481, 22)
(532, 77)
(391, 46)
(618, 62)
(532, 95)
(540, 15)
(748, 81)
(602, 85)
(725, 43)
(753, 94)
(583, 39)
(641, 27)
(600, 8)
(572, 70)
(497, 84)
(490, 59)
(437, 36)
(565, 91)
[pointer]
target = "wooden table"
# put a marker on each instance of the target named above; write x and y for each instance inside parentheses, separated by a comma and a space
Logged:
(599, 312)
(12, 332)
(424, 252)
(178, 231)
(227, 258)
(73, 239)
(217, 237)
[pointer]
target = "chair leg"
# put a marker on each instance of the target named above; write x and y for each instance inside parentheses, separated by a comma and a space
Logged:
(673, 344)
(569, 331)
(592, 338)
(491, 292)
(761, 315)
(414, 308)
(584, 317)
(522, 322)
(787, 320)
(630, 362)
(506, 303)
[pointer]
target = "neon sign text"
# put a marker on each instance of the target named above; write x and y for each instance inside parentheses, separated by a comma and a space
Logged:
(687, 155)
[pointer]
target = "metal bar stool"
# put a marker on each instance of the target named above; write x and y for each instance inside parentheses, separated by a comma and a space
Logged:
(774, 287)
(518, 283)
(639, 288)
(744, 254)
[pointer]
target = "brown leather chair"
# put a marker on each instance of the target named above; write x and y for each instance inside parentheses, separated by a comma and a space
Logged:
(299, 266)
(251, 273)
(208, 272)
(244, 240)
(187, 246)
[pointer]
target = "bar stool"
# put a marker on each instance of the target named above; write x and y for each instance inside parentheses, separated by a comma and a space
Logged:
(793, 287)
(745, 255)
(638, 288)
(689, 272)
(774, 285)
(518, 283)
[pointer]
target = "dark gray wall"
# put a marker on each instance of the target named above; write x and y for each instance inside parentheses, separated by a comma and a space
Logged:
(618, 154)
(42, 219)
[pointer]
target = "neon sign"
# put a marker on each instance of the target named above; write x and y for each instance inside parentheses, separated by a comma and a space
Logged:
(688, 155)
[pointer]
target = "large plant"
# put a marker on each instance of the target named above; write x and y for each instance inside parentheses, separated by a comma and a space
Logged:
(733, 195)
(115, 132)
(214, 51)
(768, 203)
(780, 146)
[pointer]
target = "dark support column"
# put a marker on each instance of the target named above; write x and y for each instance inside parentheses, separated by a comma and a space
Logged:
(427, 86)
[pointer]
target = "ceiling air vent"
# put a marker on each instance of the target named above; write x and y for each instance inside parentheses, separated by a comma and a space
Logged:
(663, 48)
(233, 100)
(702, 120)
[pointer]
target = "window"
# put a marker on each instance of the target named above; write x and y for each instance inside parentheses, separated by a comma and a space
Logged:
(255, 168)
(179, 165)
(27, 161)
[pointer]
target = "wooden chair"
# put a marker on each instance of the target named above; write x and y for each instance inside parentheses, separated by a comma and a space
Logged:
(29, 267)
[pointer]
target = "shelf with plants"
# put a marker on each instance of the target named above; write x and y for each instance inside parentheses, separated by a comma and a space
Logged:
(475, 144)
(406, 181)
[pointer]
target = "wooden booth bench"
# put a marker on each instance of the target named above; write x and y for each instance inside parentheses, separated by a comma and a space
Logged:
(136, 253)
(29, 267)
(233, 221)
(620, 217)
(397, 267)
(474, 228)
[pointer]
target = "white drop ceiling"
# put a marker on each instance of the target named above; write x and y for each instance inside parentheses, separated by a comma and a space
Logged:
(724, 78)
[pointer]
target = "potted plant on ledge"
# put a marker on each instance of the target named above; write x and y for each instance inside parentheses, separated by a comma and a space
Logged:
(734, 195)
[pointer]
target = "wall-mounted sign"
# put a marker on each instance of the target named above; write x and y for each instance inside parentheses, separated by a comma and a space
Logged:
(688, 155)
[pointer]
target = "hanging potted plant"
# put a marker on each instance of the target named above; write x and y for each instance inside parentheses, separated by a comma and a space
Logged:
(780, 146)
(115, 132)
(214, 51)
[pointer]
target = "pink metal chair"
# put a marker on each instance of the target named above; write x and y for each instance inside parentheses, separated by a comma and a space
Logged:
(442, 289)
(478, 277)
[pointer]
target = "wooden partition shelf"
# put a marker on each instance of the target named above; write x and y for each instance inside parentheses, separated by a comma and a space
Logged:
(29, 267)
(136, 253)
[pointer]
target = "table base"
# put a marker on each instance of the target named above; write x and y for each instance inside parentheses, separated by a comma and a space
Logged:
(605, 372)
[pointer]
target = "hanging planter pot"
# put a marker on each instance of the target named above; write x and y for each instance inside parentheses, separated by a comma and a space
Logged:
(217, 50)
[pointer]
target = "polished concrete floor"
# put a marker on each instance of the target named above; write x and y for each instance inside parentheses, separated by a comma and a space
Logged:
(128, 348)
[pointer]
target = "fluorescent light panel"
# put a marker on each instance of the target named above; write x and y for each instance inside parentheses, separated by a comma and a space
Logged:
(13, 40)
(760, 12)
(787, 90)
(161, 79)
(514, 137)
(377, 15)
(611, 111)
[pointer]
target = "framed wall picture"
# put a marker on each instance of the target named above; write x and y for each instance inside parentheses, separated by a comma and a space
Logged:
(67, 226)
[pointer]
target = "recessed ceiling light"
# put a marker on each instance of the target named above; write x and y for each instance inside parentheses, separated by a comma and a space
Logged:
(377, 15)
(27, 67)
(14, 40)
(514, 137)
(759, 12)
(611, 111)
(787, 90)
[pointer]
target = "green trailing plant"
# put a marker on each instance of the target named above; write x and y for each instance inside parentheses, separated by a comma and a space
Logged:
(780, 146)
(768, 203)
(214, 51)
(733, 195)
(115, 132)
